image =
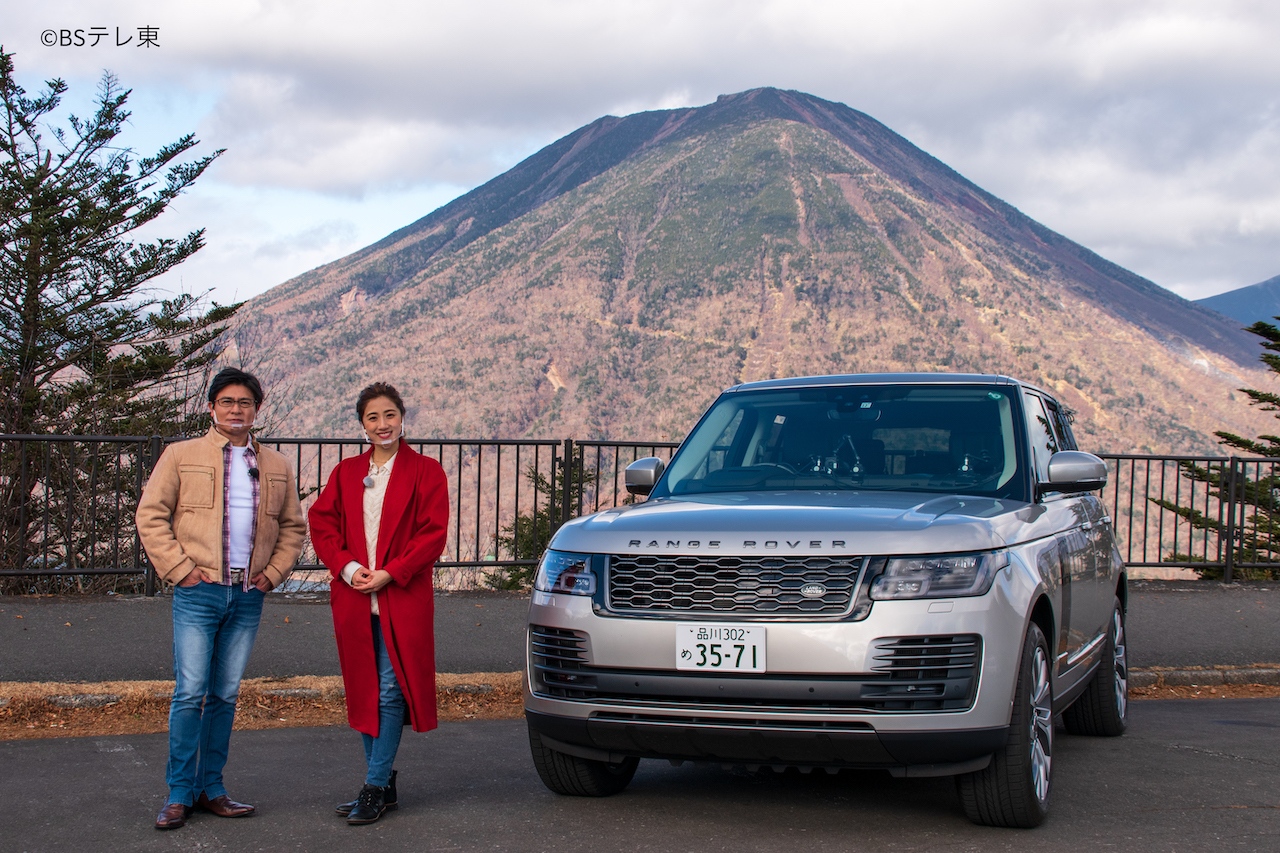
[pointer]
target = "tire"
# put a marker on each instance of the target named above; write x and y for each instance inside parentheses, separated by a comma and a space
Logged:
(1103, 708)
(579, 777)
(1013, 790)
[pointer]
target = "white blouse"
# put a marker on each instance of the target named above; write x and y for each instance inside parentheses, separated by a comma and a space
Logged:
(373, 497)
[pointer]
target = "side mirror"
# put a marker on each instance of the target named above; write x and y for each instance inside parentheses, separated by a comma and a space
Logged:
(643, 474)
(1075, 471)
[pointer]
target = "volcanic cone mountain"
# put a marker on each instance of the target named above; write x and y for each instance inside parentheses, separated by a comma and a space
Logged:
(610, 285)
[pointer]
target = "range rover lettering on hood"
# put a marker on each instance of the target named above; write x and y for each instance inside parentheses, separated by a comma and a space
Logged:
(746, 543)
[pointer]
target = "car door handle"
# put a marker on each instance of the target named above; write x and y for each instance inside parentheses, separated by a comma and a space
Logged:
(1088, 525)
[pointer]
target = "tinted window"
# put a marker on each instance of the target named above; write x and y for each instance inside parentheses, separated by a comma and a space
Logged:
(1044, 443)
(1061, 426)
(936, 438)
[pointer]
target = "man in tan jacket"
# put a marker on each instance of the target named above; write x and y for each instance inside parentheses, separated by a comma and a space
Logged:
(220, 519)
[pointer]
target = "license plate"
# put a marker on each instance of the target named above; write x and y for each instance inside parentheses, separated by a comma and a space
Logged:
(720, 648)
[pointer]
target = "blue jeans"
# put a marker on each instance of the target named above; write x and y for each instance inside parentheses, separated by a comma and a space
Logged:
(380, 751)
(213, 631)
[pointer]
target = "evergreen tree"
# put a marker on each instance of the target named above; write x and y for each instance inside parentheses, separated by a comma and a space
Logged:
(84, 348)
(1257, 538)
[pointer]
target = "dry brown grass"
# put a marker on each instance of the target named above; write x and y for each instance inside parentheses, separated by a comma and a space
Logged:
(1217, 691)
(143, 706)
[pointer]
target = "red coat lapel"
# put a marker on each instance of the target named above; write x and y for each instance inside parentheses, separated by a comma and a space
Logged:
(353, 475)
(399, 491)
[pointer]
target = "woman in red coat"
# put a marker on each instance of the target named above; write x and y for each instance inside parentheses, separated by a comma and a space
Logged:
(379, 526)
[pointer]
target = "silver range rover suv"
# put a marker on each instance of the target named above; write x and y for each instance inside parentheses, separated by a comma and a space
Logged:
(910, 572)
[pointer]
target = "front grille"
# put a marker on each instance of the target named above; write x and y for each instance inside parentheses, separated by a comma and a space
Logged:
(559, 662)
(767, 586)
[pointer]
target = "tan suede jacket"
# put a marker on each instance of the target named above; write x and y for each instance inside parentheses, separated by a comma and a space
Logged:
(180, 513)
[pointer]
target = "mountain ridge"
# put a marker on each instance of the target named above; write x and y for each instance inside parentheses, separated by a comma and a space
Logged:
(1248, 304)
(770, 231)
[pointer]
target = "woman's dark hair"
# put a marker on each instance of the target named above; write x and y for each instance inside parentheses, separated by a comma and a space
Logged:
(234, 376)
(373, 392)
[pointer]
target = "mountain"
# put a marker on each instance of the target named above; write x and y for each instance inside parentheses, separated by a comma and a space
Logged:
(612, 283)
(1250, 304)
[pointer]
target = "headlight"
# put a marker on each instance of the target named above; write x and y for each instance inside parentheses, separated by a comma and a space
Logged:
(938, 575)
(564, 571)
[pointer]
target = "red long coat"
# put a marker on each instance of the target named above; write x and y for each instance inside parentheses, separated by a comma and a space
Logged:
(411, 536)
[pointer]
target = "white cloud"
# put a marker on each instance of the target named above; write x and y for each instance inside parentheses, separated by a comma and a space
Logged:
(1146, 130)
(257, 238)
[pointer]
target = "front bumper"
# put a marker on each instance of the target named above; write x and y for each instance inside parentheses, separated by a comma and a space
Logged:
(610, 737)
(822, 704)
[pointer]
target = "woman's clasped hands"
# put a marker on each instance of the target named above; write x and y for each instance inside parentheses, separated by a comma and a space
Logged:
(367, 581)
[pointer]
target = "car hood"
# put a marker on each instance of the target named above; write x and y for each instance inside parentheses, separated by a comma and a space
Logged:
(810, 522)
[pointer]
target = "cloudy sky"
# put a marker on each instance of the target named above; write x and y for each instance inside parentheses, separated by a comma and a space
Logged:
(1147, 131)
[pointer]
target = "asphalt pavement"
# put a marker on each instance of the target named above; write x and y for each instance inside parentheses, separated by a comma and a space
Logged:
(1189, 775)
(125, 638)
(130, 637)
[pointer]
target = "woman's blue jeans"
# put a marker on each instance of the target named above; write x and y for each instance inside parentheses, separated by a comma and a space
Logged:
(380, 751)
(214, 627)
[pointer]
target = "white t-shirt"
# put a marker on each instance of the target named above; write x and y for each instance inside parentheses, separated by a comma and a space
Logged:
(240, 507)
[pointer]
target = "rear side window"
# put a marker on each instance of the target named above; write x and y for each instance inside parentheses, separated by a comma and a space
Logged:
(1040, 427)
(1061, 420)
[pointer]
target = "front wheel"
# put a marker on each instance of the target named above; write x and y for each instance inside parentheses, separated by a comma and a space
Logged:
(579, 777)
(1103, 708)
(1013, 790)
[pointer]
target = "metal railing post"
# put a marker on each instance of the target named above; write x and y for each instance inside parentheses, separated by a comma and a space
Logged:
(1230, 533)
(24, 491)
(566, 509)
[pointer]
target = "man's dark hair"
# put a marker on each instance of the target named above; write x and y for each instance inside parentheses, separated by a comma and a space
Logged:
(235, 376)
(373, 392)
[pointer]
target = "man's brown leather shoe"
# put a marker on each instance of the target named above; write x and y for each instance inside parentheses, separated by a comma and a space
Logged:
(224, 806)
(173, 815)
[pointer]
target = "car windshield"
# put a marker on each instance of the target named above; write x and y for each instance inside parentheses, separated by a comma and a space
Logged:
(956, 439)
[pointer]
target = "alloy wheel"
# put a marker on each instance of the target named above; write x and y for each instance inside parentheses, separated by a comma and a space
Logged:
(1121, 663)
(1041, 740)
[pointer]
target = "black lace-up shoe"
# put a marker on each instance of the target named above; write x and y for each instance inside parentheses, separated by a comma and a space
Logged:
(369, 806)
(388, 799)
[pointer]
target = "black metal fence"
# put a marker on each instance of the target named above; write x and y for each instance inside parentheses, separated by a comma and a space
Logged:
(68, 503)
(1199, 512)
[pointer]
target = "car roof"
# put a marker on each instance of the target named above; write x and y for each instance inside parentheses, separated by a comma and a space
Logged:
(878, 379)
(882, 379)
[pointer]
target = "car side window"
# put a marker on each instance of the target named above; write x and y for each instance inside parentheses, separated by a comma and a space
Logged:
(1061, 420)
(1044, 443)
